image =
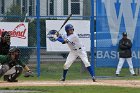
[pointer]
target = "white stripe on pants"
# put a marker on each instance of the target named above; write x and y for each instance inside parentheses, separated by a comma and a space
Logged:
(121, 62)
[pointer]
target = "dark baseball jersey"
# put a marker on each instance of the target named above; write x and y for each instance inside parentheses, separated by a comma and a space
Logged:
(5, 59)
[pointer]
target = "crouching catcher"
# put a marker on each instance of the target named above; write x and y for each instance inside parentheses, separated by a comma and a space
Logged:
(12, 67)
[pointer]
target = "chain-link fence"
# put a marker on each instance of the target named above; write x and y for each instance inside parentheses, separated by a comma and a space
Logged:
(34, 14)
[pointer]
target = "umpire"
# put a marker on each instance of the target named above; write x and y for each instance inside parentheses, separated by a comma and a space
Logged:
(124, 49)
(5, 43)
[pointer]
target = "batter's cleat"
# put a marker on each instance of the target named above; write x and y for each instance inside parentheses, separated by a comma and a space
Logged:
(117, 75)
(93, 78)
(134, 75)
(62, 79)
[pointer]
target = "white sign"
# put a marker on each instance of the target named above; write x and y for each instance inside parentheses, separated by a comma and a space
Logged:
(18, 32)
(81, 27)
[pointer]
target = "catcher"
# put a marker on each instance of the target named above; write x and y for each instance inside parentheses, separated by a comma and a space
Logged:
(12, 67)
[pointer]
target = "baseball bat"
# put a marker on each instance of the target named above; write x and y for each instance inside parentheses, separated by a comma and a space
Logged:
(65, 22)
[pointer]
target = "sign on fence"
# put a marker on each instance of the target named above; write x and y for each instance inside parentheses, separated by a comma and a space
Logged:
(81, 28)
(18, 32)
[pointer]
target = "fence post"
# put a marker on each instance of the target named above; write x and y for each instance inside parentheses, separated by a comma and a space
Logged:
(92, 35)
(38, 36)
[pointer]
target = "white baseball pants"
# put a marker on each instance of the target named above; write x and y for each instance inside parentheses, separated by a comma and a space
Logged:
(72, 57)
(121, 62)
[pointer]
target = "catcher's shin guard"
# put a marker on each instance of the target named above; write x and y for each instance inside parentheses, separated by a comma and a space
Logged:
(12, 77)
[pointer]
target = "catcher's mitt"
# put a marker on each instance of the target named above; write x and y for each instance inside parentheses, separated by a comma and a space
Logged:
(28, 74)
(51, 35)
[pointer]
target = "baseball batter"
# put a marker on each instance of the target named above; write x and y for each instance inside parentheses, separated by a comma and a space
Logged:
(77, 50)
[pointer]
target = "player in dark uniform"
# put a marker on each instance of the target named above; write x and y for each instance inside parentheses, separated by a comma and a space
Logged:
(4, 43)
(12, 67)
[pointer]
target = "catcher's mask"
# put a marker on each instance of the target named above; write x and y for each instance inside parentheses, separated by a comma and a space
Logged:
(14, 51)
(6, 36)
(50, 35)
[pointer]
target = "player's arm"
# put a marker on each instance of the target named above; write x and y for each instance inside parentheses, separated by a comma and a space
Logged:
(24, 66)
(28, 72)
(4, 59)
(27, 69)
(60, 39)
(129, 44)
(122, 45)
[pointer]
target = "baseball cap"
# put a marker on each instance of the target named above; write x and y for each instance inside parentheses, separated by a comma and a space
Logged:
(124, 34)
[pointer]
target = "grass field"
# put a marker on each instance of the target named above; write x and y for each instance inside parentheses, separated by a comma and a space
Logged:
(53, 71)
(77, 89)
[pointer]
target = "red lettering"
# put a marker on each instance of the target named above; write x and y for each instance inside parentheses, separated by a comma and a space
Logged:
(16, 32)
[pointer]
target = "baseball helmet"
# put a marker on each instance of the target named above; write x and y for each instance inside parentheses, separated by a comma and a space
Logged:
(69, 27)
(49, 35)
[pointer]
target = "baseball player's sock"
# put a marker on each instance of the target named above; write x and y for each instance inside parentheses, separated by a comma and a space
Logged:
(90, 71)
(65, 73)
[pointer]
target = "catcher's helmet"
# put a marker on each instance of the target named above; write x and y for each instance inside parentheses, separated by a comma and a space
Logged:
(49, 35)
(69, 27)
(14, 49)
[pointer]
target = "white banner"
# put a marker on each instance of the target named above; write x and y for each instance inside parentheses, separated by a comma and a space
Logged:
(18, 32)
(81, 27)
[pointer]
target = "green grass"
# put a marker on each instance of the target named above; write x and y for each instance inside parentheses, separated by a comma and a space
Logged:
(77, 89)
(53, 71)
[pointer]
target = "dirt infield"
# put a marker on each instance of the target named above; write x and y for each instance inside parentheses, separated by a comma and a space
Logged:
(121, 83)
